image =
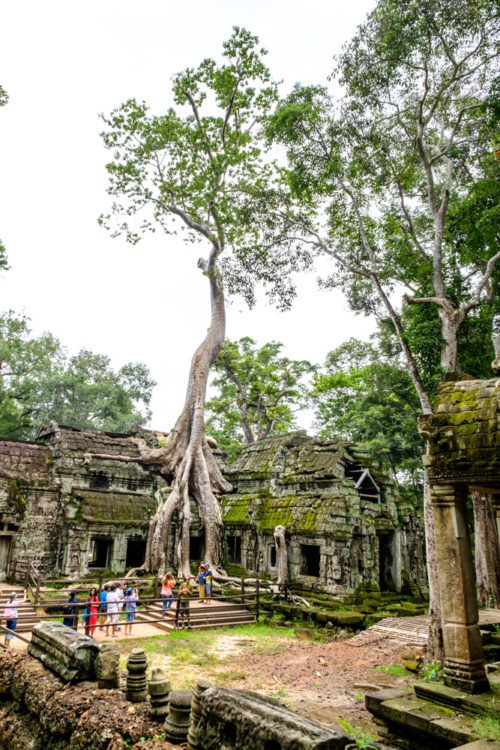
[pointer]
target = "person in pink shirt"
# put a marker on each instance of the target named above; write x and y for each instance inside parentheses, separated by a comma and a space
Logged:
(167, 592)
(10, 615)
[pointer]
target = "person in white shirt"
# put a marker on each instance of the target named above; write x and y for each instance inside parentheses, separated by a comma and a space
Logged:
(112, 599)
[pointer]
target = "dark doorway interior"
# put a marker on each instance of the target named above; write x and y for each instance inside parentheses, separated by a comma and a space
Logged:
(385, 558)
(136, 553)
(100, 552)
(233, 546)
(272, 555)
(98, 481)
(309, 559)
(195, 548)
(5, 542)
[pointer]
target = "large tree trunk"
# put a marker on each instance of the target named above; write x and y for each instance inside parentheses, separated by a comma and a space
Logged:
(487, 550)
(187, 457)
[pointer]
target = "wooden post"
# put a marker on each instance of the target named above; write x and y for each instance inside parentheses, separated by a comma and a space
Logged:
(100, 584)
(156, 586)
(87, 617)
(13, 570)
(37, 590)
(257, 600)
(242, 591)
(27, 578)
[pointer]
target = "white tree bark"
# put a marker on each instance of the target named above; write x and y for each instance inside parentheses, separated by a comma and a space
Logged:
(187, 457)
(281, 556)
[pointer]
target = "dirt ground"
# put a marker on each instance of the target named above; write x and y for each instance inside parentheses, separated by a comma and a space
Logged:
(324, 681)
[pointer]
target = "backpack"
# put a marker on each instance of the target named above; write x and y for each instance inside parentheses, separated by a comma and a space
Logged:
(67, 610)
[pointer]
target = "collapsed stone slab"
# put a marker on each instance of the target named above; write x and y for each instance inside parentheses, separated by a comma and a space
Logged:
(67, 653)
(241, 718)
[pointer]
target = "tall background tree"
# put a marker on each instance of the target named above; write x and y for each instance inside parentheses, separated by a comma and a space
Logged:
(193, 168)
(377, 179)
(363, 396)
(258, 393)
(39, 381)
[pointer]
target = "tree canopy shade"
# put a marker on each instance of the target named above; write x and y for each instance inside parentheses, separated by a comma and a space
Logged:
(363, 397)
(259, 392)
(39, 381)
(194, 168)
(377, 177)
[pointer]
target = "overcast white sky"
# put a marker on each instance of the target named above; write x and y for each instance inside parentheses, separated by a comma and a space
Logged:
(62, 63)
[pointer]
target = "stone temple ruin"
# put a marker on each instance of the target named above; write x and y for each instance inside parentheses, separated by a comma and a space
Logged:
(76, 502)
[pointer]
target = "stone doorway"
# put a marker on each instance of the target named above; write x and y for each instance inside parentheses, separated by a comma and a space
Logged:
(233, 546)
(100, 552)
(195, 548)
(136, 553)
(386, 561)
(5, 544)
(310, 560)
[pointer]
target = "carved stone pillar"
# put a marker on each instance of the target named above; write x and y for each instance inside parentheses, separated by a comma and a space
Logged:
(464, 658)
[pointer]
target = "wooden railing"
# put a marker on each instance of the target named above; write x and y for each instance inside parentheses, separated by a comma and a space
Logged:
(249, 595)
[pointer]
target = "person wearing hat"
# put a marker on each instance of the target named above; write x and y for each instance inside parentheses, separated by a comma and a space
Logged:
(208, 584)
(10, 615)
(131, 599)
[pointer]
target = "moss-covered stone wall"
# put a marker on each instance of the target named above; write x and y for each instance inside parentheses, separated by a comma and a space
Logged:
(338, 536)
(72, 490)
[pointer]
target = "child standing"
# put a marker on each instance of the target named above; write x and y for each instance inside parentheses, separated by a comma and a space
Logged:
(185, 594)
(131, 599)
(167, 592)
(208, 584)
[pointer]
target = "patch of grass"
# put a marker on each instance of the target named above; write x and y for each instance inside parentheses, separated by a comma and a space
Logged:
(222, 678)
(487, 727)
(363, 739)
(395, 669)
(359, 696)
(281, 694)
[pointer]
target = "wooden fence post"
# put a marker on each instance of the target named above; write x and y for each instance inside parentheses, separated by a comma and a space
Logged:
(100, 584)
(156, 586)
(13, 570)
(27, 578)
(87, 617)
(37, 590)
(257, 600)
(243, 591)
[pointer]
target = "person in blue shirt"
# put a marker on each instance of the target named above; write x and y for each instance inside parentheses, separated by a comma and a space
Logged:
(131, 599)
(208, 584)
(200, 580)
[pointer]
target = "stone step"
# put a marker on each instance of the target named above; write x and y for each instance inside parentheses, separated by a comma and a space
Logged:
(456, 700)
(201, 616)
(424, 725)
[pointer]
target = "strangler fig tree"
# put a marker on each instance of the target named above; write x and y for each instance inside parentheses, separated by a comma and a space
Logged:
(193, 167)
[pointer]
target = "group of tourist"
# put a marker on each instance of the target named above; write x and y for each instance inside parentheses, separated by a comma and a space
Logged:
(104, 609)
(185, 592)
